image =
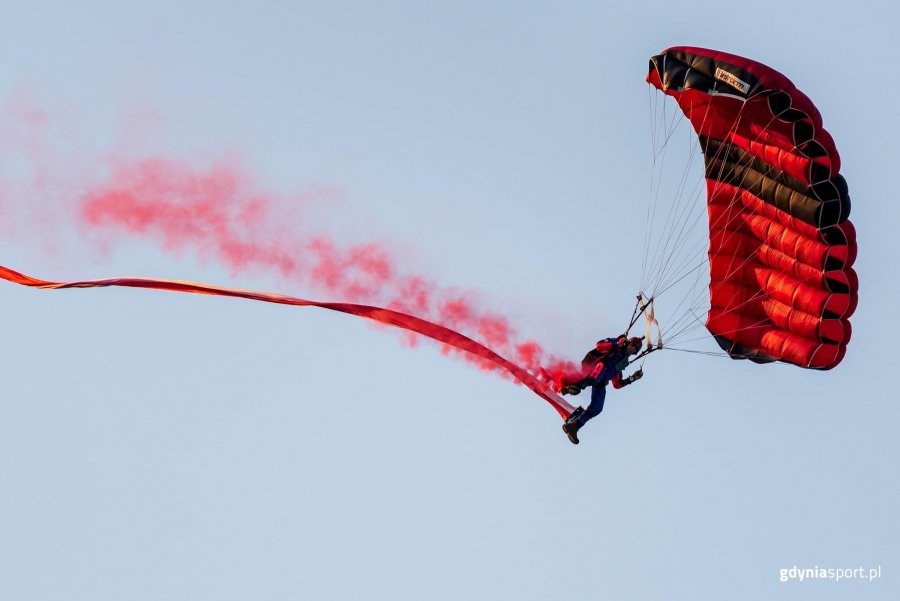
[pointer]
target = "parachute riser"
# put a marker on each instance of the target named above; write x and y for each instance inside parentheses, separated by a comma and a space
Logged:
(645, 352)
(646, 308)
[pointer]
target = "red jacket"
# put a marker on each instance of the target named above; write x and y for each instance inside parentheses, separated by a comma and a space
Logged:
(608, 355)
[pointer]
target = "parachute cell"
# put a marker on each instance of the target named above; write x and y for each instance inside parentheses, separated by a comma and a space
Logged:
(781, 248)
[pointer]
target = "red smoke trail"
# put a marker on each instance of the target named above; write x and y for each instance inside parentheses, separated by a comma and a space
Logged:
(219, 215)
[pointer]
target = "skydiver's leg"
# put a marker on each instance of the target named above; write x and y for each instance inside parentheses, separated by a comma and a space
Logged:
(598, 397)
(581, 416)
(574, 383)
(576, 387)
(583, 382)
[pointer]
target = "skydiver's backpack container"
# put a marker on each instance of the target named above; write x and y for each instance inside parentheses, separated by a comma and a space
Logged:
(600, 353)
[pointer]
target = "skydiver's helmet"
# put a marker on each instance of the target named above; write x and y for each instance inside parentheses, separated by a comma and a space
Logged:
(633, 345)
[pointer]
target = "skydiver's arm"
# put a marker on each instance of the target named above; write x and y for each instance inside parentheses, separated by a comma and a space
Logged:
(619, 381)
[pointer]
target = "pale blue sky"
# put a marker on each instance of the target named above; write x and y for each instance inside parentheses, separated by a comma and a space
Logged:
(160, 446)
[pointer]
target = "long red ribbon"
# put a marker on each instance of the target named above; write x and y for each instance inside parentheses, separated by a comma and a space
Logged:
(385, 316)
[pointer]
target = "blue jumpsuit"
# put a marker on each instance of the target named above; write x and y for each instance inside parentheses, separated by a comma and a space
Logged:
(612, 371)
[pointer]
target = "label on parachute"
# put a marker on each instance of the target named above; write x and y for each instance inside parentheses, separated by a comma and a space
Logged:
(734, 82)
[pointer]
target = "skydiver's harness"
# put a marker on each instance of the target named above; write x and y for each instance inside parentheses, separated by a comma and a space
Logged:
(642, 307)
(596, 362)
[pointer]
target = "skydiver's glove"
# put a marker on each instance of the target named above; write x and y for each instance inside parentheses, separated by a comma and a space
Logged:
(633, 377)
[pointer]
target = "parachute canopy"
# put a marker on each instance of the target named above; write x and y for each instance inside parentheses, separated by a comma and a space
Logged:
(781, 248)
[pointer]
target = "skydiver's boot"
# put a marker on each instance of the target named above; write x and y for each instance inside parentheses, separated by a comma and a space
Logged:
(573, 425)
(576, 387)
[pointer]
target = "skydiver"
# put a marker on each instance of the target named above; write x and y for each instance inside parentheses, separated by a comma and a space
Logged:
(602, 365)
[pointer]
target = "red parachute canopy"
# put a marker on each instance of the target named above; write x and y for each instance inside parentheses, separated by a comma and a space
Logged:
(781, 249)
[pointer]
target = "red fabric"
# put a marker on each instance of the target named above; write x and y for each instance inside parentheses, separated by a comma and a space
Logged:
(385, 316)
(771, 136)
(605, 346)
(593, 366)
(779, 285)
